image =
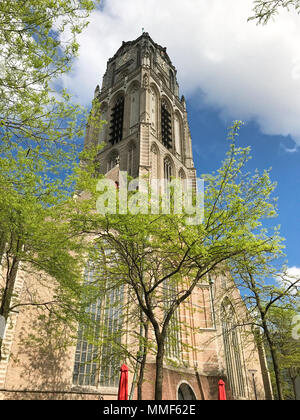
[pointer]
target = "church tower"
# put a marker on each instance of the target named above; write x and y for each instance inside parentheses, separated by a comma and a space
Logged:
(146, 130)
(146, 133)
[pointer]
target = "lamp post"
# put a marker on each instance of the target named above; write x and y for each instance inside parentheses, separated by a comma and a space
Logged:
(253, 372)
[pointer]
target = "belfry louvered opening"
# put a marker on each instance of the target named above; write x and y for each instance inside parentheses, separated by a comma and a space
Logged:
(116, 126)
(166, 127)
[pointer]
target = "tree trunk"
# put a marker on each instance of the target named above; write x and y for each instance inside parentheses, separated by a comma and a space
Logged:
(294, 388)
(9, 288)
(159, 370)
(142, 367)
(293, 376)
(274, 361)
(268, 337)
(7, 294)
(2, 245)
(2, 249)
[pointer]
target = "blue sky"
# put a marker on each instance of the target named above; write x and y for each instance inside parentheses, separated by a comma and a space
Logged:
(209, 132)
(228, 69)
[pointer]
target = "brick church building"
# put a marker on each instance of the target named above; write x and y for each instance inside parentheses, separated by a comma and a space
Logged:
(146, 133)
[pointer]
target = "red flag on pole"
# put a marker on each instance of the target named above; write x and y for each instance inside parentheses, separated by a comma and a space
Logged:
(222, 393)
(123, 385)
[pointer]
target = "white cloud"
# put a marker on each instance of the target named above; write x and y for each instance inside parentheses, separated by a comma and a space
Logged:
(290, 275)
(247, 71)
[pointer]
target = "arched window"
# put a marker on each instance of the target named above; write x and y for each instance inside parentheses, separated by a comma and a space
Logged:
(168, 170)
(232, 350)
(96, 361)
(113, 160)
(87, 354)
(173, 338)
(168, 173)
(182, 178)
(185, 392)
(116, 124)
(181, 174)
(112, 321)
(166, 125)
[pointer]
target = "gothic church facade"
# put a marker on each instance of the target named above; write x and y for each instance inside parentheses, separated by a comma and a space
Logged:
(147, 134)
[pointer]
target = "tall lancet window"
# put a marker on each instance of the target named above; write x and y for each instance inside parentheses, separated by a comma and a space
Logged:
(112, 318)
(97, 356)
(116, 125)
(167, 169)
(232, 350)
(168, 173)
(182, 178)
(173, 338)
(166, 125)
(87, 352)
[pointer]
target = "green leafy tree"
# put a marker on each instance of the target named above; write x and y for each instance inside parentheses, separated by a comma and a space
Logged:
(163, 255)
(255, 277)
(38, 44)
(40, 132)
(281, 325)
(36, 236)
(264, 10)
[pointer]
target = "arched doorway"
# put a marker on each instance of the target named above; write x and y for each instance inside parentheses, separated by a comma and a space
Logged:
(185, 392)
